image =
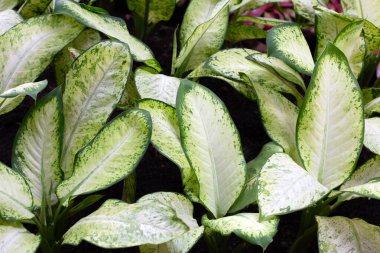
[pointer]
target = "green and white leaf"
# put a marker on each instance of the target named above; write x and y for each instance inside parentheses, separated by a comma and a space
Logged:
(31, 89)
(341, 234)
(246, 226)
(371, 100)
(28, 49)
(166, 139)
(66, 57)
(153, 11)
(156, 86)
(330, 125)
(130, 94)
(305, 8)
(246, 5)
(287, 43)
(16, 200)
(94, 85)
(249, 194)
(8, 19)
(15, 238)
(201, 38)
(285, 187)
(366, 9)
(117, 225)
(8, 4)
(240, 32)
(111, 156)
(111, 26)
(352, 44)
(37, 148)
(280, 67)
(220, 169)
(262, 21)
(372, 134)
(32, 8)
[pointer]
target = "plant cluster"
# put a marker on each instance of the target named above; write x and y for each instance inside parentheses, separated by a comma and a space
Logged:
(318, 111)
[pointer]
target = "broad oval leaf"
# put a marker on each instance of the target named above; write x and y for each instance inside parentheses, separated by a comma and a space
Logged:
(372, 134)
(15, 238)
(111, 156)
(31, 89)
(28, 48)
(330, 125)
(16, 200)
(94, 85)
(341, 235)
(166, 139)
(111, 26)
(117, 225)
(287, 43)
(156, 86)
(220, 169)
(366, 9)
(37, 148)
(246, 226)
(285, 187)
(8, 19)
(240, 32)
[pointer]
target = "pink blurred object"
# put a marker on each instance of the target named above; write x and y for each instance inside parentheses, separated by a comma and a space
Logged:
(335, 6)
(270, 11)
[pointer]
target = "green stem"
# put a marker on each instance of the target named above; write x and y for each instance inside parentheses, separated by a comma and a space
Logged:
(302, 243)
(129, 188)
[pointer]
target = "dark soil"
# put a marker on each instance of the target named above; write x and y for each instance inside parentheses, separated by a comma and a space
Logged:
(157, 173)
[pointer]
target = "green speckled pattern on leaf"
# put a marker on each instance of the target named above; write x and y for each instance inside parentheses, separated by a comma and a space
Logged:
(247, 226)
(330, 125)
(31, 89)
(15, 196)
(166, 139)
(111, 156)
(28, 48)
(32, 8)
(117, 225)
(15, 238)
(37, 148)
(8, 19)
(220, 167)
(342, 235)
(287, 43)
(94, 85)
(285, 187)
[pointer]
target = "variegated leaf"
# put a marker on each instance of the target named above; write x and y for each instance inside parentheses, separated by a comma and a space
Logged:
(246, 226)
(15, 238)
(371, 100)
(372, 135)
(366, 9)
(111, 156)
(16, 200)
(166, 139)
(8, 19)
(94, 85)
(249, 194)
(287, 43)
(240, 32)
(130, 94)
(285, 187)
(220, 169)
(28, 48)
(111, 26)
(31, 89)
(32, 8)
(351, 42)
(330, 125)
(305, 8)
(156, 86)
(8, 4)
(341, 235)
(117, 225)
(37, 148)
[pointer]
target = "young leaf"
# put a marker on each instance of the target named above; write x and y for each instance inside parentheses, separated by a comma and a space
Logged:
(330, 125)
(94, 85)
(32, 8)
(111, 156)
(117, 225)
(246, 226)
(352, 44)
(371, 100)
(366, 9)
(340, 234)
(28, 48)
(287, 43)
(285, 187)
(16, 200)
(240, 32)
(156, 86)
(8, 19)
(37, 148)
(31, 89)
(153, 11)
(166, 139)
(15, 238)
(305, 8)
(372, 135)
(220, 169)
(249, 194)
(111, 26)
